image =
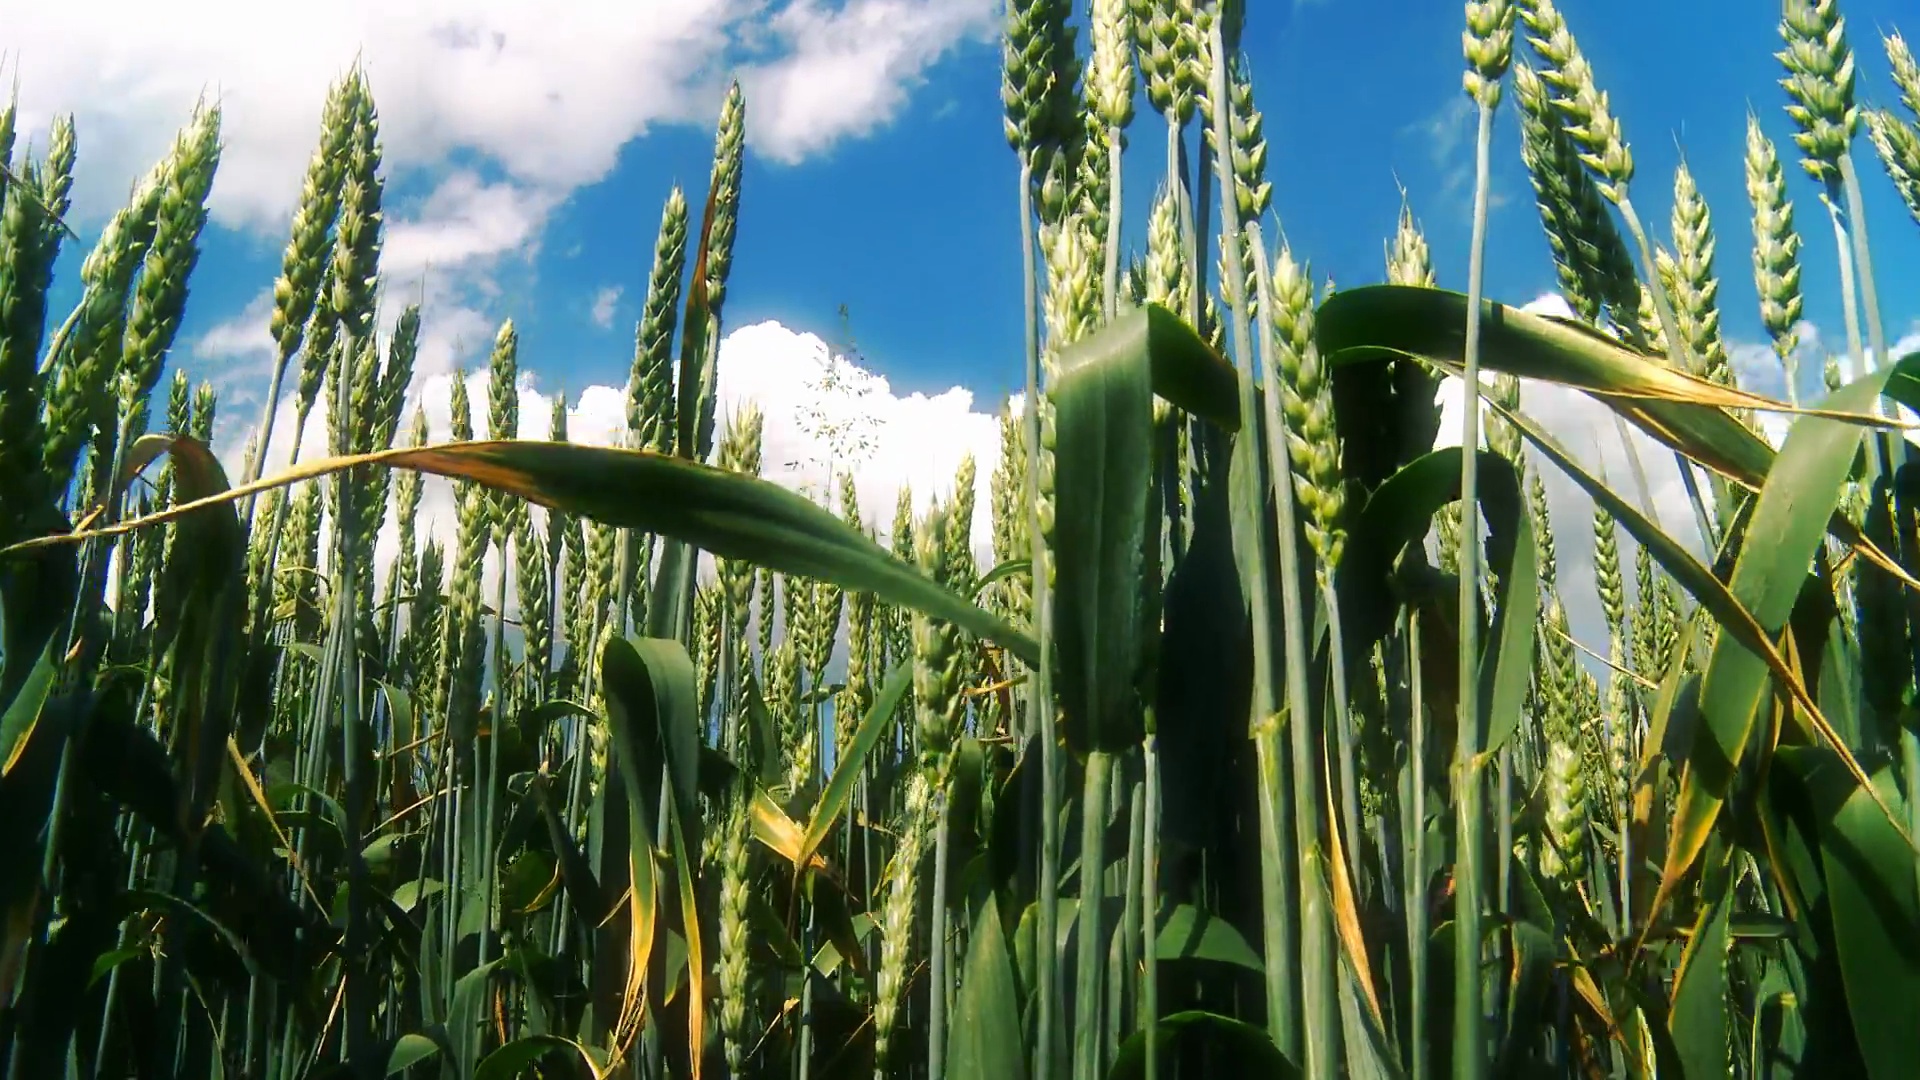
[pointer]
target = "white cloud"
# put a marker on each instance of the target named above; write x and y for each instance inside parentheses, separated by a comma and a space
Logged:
(549, 94)
(922, 438)
(463, 221)
(849, 67)
(604, 303)
(1589, 433)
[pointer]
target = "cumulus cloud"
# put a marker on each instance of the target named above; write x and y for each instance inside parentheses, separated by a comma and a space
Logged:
(918, 439)
(849, 67)
(549, 95)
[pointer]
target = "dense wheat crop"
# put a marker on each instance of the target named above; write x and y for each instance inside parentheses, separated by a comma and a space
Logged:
(1262, 748)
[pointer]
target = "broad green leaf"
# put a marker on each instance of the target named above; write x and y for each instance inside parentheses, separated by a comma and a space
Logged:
(1698, 1016)
(510, 1061)
(1103, 476)
(1399, 513)
(1787, 530)
(37, 594)
(846, 774)
(652, 709)
(199, 605)
(724, 513)
(1190, 933)
(1733, 617)
(1250, 1045)
(1687, 413)
(107, 962)
(1875, 911)
(984, 1030)
(684, 856)
(646, 695)
(998, 574)
(528, 882)
(410, 1050)
(23, 709)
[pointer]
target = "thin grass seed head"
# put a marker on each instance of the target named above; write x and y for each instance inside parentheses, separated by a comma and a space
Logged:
(358, 233)
(728, 156)
(57, 176)
(858, 696)
(1558, 177)
(530, 593)
(1163, 57)
(1588, 119)
(1036, 33)
(460, 407)
(1502, 437)
(1776, 246)
(1253, 193)
(1488, 43)
(26, 270)
(1694, 289)
(1197, 23)
(79, 392)
(1648, 317)
(708, 624)
(1111, 81)
(1608, 578)
(650, 391)
(1897, 144)
(1819, 84)
(503, 421)
(160, 294)
(298, 285)
(1563, 855)
(1307, 398)
(318, 351)
(1906, 71)
(1167, 278)
(1012, 525)
(938, 661)
(897, 916)
(407, 490)
(764, 617)
(1093, 175)
(9, 119)
(1409, 262)
(1543, 532)
(958, 567)
(740, 452)
(736, 893)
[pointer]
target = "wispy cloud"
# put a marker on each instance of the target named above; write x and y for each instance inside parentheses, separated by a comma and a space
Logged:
(604, 303)
(1448, 137)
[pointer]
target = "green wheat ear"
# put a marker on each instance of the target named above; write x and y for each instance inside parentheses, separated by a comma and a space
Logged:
(1776, 248)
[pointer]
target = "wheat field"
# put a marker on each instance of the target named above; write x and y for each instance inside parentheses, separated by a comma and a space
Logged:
(1261, 747)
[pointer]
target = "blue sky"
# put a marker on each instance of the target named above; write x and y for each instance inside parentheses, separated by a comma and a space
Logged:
(529, 154)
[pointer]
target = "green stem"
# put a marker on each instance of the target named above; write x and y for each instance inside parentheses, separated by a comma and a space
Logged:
(1317, 1042)
(937, 978)
(1469, 1017)
(1125, 943)
(1893, 451)
(1415, 839)
(1111, 278)
(1150, 903)
(1089, 972)
(1040, 701)
(1343, 730)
